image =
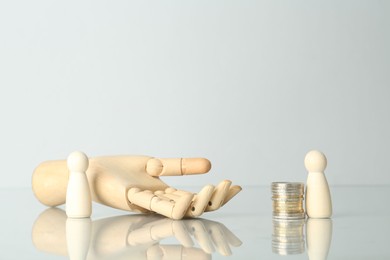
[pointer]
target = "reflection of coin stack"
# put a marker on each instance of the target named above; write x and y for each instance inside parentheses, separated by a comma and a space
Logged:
(287, 200)
(287, 237)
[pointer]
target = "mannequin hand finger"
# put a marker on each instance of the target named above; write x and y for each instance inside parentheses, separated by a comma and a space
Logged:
(200, 201)
(174, 209)
(233, 191)
(219, 195)
(177, 166)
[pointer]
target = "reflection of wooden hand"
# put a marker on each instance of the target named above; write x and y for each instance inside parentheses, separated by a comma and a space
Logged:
(132, 183)
(131, 237)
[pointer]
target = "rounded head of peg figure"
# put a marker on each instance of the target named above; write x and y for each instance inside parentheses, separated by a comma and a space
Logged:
(315, 161)
(77, 162)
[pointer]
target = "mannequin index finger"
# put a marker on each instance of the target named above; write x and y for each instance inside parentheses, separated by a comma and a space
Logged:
(177, 166)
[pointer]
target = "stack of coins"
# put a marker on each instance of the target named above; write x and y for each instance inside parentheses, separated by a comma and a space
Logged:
(287, 200)
(287, 237)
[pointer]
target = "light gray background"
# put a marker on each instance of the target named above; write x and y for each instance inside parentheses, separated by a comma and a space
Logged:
(251, 85)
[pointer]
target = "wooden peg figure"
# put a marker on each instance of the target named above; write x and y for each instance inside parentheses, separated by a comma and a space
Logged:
(317, 196)
(78, 195)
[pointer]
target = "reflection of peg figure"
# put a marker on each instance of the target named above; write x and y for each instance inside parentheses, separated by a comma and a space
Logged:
(78, 236)
(318, 238)
(318, 200)
(78, 196)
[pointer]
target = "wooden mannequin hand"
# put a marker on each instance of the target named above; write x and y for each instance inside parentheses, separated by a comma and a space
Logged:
(132, 183)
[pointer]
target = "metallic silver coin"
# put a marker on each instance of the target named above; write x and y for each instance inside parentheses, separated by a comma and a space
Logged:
(287, 186)
(287, 210)
(295, 206)
(300, 215)
(287, 191)
(287, 200)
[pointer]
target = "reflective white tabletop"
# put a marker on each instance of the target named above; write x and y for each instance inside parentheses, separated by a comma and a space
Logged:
(243, 229)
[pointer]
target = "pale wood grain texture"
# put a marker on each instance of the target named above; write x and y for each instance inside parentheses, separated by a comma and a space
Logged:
(132, 183)
(317, 195)
(78, 195)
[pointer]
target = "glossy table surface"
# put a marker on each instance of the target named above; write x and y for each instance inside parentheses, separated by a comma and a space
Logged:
(243, 229)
